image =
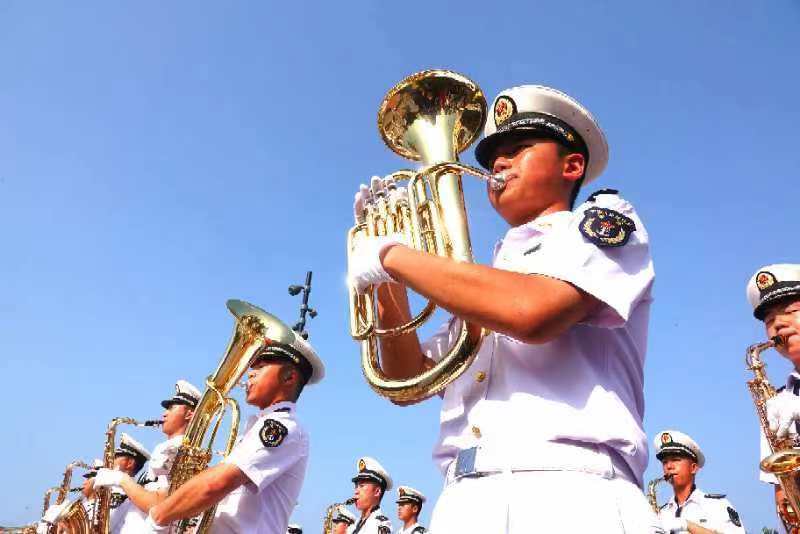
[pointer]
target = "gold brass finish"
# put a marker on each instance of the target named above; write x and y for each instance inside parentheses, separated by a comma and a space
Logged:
(784, 462)
(327, 523)
(254, 331)
(652, 496)
(430, 116)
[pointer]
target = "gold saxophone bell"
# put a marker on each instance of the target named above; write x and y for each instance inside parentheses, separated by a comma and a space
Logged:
(784, 462)
(430, 116)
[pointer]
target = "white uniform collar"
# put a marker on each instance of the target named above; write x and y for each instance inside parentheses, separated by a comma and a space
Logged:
(694, 496)
(283, 406)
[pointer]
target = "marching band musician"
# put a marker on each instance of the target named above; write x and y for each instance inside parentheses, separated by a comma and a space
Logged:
(409, 506)
(178, 411)
(129, 458)
(370, 485)
(256, 486)
(774, 293)
(88, 494)
(692, 510)
(342, 519)
(567, 298)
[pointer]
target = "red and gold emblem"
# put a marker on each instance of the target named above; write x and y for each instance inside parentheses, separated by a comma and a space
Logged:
(504, 107)
(764, 279)
(362, 465)
(666, 438)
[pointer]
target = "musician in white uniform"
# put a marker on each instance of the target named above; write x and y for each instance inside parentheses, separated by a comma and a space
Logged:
(550, 412)
(178, 411)
(129, 458)
(342, 519)
(371, 483)
(256, 487)
(774, 293)
(409, 506)
(691, 509)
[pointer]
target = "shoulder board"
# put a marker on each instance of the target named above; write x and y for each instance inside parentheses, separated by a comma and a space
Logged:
(596, 194)
(282, 410)
(715, 495)
(381, 518)
(663, 505)
(418, 530)
(780, 389)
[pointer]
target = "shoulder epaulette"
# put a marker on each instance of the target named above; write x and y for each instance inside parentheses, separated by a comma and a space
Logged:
(596, 194)
(780, 389)
(418, 530)
(381, 518)
(715, 495)
(663, 505)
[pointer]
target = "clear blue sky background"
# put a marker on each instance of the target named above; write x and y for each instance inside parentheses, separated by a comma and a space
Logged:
(158, 158)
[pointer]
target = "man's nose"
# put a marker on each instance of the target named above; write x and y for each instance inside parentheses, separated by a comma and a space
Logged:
(501, 163)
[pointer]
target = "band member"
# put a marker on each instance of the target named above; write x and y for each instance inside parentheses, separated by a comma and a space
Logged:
(129, 458)
(257, 485)
(371, 484)
(567, 302)
(774, 293)
(178, 411)
(88, 494)
(409, 506)
(342, 519)
(692, 510)
(294, 529)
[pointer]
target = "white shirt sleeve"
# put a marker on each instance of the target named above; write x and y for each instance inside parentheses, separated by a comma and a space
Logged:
(263, 463)
(439, 343)
(619, 277)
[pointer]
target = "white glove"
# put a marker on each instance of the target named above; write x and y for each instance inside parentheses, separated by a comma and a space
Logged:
(674, 524)
(108, 477)
(782, 411)
(151, 525)
(52, 512)
(365, 267)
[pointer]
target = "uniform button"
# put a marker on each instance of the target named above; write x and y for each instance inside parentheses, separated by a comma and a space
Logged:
(480, 376)
(476, 431)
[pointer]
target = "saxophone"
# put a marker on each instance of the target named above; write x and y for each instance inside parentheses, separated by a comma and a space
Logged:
(64, 489)
(327, 524)
(254, 331)
(99, 524)
(784, 462)
(652, 497)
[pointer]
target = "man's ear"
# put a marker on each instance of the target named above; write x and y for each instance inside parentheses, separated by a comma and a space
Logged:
(574, 166)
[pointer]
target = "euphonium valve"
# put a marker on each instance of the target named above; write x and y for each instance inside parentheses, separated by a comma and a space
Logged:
(430, 116)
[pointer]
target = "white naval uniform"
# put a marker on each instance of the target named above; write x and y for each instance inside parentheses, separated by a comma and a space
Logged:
(563, 416)
(263, 505)
(416, 528)
(710, 511)
(375, 523)
(135, 520)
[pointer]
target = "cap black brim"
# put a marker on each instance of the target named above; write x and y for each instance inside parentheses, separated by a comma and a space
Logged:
(486, 148)
(785, 293)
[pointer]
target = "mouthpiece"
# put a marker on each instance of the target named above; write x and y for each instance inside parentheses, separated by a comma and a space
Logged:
(668, 477)
(778, 341)
(153, 422)
(351, 500)
(497, 182)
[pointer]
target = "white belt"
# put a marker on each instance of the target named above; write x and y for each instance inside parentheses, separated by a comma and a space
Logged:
(549, 456)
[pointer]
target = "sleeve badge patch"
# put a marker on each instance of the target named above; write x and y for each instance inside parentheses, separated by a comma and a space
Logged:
(272, 433)
(734, 517)
(606, 228)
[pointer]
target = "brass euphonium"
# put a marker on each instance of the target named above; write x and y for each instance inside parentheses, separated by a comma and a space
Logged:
(430, 116)
(327, 523)
(254, 331)
(652, 488)
(784, 462)
(100, 524)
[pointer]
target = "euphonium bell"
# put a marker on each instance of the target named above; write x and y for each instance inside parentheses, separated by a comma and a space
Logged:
(430, 116)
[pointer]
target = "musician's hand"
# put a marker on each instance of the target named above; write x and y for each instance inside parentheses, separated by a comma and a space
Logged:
(782, 411)
(363, 196)
(674, 524)
(152, 526)
(365, 268)
(108, 477)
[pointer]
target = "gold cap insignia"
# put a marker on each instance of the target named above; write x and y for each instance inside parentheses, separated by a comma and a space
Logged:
(764, 279)
(504, 107)
(666, 438)
(362, 465)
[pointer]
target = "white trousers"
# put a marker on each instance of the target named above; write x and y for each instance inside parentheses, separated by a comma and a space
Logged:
(543, 501)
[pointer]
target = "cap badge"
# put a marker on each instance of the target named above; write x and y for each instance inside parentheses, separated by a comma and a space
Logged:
(764, 280)
(272, 433)
(504, 107)
(666, 438)
(362, 465)
(606, 228)
(402, 492)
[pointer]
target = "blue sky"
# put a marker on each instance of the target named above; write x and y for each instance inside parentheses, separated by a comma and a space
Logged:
(159, 158)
